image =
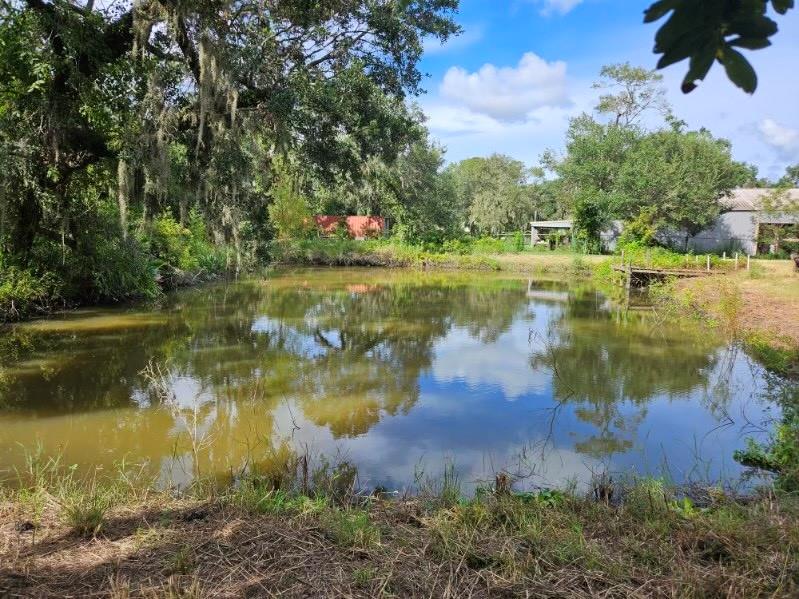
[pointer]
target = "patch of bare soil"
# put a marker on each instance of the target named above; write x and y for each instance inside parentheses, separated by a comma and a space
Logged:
(769, 303)
(777, 316)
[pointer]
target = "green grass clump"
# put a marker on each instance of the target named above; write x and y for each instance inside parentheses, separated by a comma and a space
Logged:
(254, 497)
(84, 510)
(351, 528)
(182, 561)
(776, 356)
(363, 576)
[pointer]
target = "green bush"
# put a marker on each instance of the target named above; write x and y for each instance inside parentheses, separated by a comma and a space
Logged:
(208, 256)
(489, 245)
(170, 242)
(517, 242)
(779, 456)
(457, 246)
(185, 248)
(23, 292)
(121, 270)
(640, 231)
(290, 211)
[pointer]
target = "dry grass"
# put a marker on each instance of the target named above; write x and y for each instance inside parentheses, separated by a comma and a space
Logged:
(542, 263)
(546, 545)
(769, 300)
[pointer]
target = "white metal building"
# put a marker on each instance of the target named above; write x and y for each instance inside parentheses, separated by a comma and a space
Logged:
(737, 228)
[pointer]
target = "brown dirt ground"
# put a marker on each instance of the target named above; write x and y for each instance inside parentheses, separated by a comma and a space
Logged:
(769, 300)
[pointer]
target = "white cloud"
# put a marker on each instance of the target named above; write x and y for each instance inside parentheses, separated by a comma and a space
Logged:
(471, 35)
(560, 7)
(784, 139)
(457, 120)
(508, 93)
(507, 365)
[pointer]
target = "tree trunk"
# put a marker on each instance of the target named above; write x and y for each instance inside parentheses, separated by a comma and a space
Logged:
(123, 195)
(3, 209)
(24, 235)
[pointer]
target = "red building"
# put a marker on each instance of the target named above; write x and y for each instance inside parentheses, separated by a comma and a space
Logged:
(358, 227)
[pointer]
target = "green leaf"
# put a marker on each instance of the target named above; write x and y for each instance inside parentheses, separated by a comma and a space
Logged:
(700, 65)
(739, 70)
(660, 8)
(753, 26)
(681, 25)
(751, 43)
(680, 50)
(782, 6)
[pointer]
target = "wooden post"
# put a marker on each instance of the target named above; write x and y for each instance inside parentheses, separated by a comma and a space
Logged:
(628, 282)
(724, 255)
(708, 262)
(696, 259)
(736, 260)
(748, 261)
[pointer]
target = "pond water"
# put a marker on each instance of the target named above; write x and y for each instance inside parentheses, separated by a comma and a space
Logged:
(398, 372)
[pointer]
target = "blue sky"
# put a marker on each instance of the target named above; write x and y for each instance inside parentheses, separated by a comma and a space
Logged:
(522, 68)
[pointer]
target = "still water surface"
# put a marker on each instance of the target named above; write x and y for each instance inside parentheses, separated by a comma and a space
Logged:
(396, 371)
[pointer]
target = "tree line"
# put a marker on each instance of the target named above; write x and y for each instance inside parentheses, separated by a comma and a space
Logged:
(632, 160)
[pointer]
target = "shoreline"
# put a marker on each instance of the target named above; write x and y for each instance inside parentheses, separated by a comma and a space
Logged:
(79, 539)
(765, 300)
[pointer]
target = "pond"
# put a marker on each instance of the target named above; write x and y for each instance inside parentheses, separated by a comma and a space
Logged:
(398, 372)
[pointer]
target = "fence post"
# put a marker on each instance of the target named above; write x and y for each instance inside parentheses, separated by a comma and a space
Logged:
(628, 282)
(748, 261)
(708, 262)
(736, 260)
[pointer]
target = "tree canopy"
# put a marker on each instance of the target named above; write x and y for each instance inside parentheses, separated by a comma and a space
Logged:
(618, 168)
(112, 116)
(493, 191)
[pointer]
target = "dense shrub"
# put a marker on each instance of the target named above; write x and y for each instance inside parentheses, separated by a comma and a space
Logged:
(641, 231)
(489, 245)
(23, 292)
(184, 248)
(121, 270)
(517, 241)
(290, 212)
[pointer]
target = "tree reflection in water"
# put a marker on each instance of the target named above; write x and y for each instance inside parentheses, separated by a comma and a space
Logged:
(610, 364)
(337, 352)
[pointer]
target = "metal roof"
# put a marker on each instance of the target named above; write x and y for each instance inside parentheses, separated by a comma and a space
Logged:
(751, 199)
(551, 224)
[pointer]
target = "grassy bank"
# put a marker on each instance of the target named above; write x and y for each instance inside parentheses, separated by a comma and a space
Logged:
(481, 254)
(312, 535)
(759, 307)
